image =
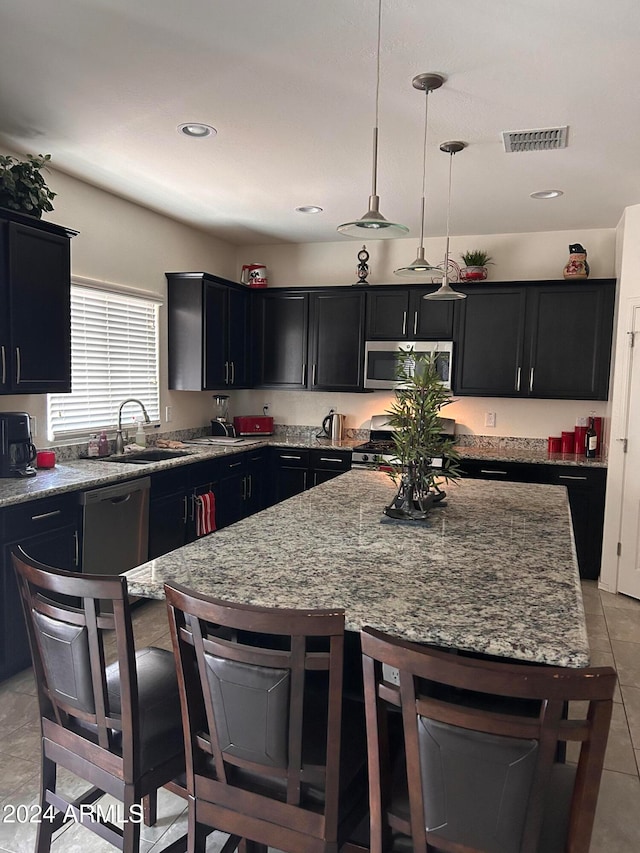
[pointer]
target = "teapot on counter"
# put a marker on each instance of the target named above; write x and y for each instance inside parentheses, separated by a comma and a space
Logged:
(333, 426)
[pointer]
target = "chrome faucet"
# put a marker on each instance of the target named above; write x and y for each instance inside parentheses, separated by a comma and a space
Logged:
(119, 440)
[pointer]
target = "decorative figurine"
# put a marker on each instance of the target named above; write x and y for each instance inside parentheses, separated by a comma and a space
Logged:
(363, 266)
(577, 265)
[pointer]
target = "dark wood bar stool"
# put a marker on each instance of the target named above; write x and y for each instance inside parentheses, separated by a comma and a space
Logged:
(476, 768)
(276, 755)
(117, 726)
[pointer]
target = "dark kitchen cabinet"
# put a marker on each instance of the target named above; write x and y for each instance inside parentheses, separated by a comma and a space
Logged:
(586, 491)
(537, 339)
(336, 346)
(402, 314)
(242, 490)
(47, 529)
(208, 332)
(295, 471)
(35, 305)
(309, 340)
(281, 331)
(168, 511)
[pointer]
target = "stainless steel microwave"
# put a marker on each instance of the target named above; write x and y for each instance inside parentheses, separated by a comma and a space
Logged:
(382, 359)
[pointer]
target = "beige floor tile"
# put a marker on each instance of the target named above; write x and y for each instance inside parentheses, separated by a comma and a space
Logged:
(17, 709)
(592, 603)
(619, 601)
(21, 682)
(623, 624)
(620, 754)
(596, 625)
(617, 822)
(22, 743)
(20, 837)
(600, 644)
(15, 773)
(627, 662)
(631, 697)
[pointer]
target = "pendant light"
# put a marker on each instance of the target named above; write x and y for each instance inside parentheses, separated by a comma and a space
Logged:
(373, 224)
(425, 83)
(445, 291)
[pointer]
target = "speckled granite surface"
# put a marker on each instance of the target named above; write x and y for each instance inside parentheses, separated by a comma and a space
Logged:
(494, 571)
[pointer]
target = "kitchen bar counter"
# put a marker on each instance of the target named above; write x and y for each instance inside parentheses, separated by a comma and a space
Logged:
(494, 571)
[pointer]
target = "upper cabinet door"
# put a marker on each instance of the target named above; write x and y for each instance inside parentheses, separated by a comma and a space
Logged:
(430, 321)
(570, 340)
(35, 354)
(388, 314)
(488, 357)
(238, 335)
(337, 341)
(280, 323)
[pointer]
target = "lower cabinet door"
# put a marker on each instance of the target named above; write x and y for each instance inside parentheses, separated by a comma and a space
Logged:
(290, 482)
(167, 523)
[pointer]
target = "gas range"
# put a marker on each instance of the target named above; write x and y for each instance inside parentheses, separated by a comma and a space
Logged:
(379, 451)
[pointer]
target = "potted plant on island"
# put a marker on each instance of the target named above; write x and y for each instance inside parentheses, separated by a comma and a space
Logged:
(475, 265)
(22, 186)
(415, 418)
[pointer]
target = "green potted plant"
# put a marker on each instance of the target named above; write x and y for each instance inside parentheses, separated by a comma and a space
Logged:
(475, 265)
(415, 418)
(22, 186)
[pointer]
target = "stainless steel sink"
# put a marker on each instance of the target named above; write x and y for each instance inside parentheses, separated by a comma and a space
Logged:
(144, 457)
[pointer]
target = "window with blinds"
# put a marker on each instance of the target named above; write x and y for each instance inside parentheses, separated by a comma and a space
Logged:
(114, 355)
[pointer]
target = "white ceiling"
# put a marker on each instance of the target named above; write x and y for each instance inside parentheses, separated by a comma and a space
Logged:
(290, 85)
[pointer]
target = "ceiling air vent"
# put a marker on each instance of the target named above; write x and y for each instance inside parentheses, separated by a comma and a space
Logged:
(543, 139)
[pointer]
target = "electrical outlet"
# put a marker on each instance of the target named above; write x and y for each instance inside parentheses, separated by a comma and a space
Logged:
(390, 673)
(489, 419)
(168, 414)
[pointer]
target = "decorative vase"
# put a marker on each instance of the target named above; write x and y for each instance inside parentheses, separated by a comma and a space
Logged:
(577, 267)
(412, 501)
(473, 273)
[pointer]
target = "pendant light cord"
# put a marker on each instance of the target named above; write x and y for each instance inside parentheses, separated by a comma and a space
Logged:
(374, 180)
(424, 167)
(446, 251)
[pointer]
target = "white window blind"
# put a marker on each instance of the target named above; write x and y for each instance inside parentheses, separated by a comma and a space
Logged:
(114, 355)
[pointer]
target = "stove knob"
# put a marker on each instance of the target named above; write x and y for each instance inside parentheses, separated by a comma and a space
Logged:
(365, 457)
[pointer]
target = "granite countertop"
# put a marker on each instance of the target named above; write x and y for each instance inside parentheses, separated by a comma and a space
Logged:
(493, 571)
(79, 474)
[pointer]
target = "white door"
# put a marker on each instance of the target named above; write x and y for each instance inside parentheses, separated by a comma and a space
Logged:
(629, 565)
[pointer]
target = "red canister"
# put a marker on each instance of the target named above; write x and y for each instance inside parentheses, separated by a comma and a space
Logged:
(580, 435)
(45, 459)
(554, 444)
(255, 275)
(568, 442)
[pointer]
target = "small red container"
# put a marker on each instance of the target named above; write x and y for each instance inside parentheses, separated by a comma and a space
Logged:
(45, 459)
(568, 442)
(253, 425)
(554, 444)
(580, 435)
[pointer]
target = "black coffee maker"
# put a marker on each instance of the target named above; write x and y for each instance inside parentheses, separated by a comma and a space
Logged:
(16, 448)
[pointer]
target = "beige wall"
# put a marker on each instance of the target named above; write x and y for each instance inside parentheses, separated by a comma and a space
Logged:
(126, 244)
(517, 257)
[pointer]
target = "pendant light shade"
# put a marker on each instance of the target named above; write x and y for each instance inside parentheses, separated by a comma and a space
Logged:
(373, 224)
(425, 83)
(445, 291)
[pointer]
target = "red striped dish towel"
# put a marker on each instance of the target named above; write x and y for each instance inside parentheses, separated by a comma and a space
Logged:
(205, 514)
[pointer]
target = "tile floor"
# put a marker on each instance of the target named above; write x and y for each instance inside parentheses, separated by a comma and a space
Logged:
(613, 623)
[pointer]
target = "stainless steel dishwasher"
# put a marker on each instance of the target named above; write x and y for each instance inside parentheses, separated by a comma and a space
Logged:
(115, 527)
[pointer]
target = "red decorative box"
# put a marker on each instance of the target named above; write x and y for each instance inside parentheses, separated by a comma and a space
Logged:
(253, 425)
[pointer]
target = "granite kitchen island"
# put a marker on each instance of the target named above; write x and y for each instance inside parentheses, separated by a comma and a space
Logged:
(494, 571)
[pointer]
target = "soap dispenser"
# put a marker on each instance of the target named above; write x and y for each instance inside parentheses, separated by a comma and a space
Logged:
(140, 438)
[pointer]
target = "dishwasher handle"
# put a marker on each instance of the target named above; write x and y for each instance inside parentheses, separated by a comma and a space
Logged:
(117, 493)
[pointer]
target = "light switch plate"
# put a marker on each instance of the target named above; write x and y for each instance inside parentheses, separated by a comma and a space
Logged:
(490, 419)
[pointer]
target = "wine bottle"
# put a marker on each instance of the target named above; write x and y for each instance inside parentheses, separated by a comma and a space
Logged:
(591, 441)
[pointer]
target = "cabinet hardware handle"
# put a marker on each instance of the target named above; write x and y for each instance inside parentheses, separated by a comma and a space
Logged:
(244, 488)
(315, 374)
(185, 513)
(234, 464)
(518, 375)
(46, 515)
(76, 549)
(233, 373)
(299, 458)
(531, 379)
(493, 471)
(415, 323)
(315, 478)
(226, 373)
(4, 366)
(329, 459)
(250, 478)
(404, 322)
(17, 365)
(304, 480)
(304, 374)
(570, 477)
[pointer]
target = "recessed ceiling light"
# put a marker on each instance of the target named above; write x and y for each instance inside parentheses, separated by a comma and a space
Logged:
(197, 130)
(309, 208)
(547, 194)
